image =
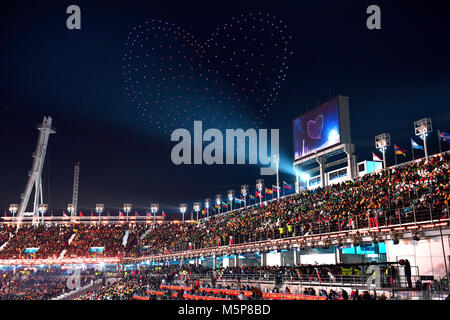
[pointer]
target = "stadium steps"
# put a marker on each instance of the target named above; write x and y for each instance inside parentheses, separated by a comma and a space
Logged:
(71, 238)
(62, 254)
(6, 243)
(125, 238)
(145, 233)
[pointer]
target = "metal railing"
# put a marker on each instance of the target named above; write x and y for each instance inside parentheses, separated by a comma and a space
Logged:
(402, 216)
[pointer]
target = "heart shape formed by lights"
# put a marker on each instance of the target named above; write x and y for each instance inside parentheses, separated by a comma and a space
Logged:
(230, 80)
(314, 127)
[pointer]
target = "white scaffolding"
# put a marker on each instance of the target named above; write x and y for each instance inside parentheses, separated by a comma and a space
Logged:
(35, 174)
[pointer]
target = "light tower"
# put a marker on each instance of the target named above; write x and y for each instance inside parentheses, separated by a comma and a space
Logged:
(422, 128)
(71, 210)
(259, 187)
(207, 205)
(219, 201)
(76, 181)
(99, 208)
(183, 208)
(35, 174)
(276, 159)
(231, 197)
(197, 206)
(13, 208)
(382, 142)
(127, 208)
(43, 208)
(154, 207)
(244, 191)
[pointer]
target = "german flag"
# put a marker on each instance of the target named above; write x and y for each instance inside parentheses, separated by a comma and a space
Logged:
(400, 151)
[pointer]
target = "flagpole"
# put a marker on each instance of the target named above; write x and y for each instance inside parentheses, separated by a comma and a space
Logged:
(412, 150)
(395, 153)
(439, 139)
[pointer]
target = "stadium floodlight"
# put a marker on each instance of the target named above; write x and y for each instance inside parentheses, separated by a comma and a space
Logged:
(244, 191)
(127, 208)
(197, 206)
(183, 208)
(207, 205)
(421, 128)
(230, 197)
(259, 187)
(99, 208)
(71, 208)
(218, 201)
(13, 208)
(43, 209)
(382, 142)
(276, 159)
(154, 207)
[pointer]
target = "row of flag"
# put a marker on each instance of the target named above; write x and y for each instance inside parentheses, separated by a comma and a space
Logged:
(251, 196)
(443, 136)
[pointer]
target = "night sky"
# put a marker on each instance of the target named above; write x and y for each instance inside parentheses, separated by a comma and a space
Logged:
(393, 76)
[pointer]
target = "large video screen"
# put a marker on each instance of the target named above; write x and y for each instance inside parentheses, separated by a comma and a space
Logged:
(317, 129)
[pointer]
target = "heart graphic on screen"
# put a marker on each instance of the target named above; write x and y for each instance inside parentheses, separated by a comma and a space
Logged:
(314, 127)
(231, 78)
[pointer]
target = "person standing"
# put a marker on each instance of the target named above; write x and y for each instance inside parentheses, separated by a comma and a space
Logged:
(407, 267)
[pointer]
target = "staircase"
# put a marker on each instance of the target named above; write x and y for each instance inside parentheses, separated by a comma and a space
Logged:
(145, 233)
(71, 238)
(62, 254)
(6, 243)
(125, 238)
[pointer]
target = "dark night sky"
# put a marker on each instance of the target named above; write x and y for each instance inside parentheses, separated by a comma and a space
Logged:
(393, 77)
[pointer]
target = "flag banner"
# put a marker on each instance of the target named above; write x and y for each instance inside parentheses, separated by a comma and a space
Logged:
(444, 136)
(81, 214)
(269, 191)
(121, 214)
(399, 151)
(415, 145)
(64, 214)
(164, 214)
(237, 200)
(203, 211)
(225, 205)
(274, 188)
(287, 185)
(259, 195)
(217, 206)
(375, 157)
(135, 213)
(252, 196)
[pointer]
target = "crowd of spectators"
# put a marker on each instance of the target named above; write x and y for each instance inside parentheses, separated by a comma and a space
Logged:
(106, 236)
(36, 284)
(156, 283)
(5, 233)
(417, 190)
(50, 240)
